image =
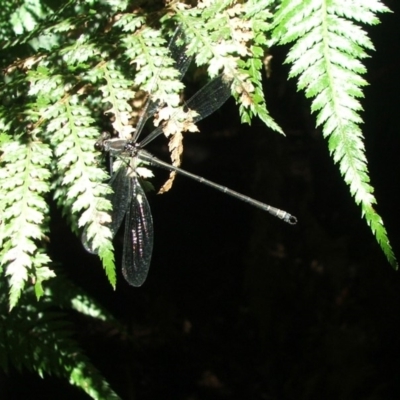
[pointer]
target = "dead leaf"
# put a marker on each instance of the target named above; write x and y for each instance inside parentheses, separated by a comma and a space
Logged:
(168, 184)
(175, 146)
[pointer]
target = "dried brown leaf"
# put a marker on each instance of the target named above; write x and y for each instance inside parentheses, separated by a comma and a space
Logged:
(168, 184)
(174, 128)
(175, 146)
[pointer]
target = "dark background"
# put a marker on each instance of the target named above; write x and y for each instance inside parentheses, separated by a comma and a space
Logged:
(238, 304)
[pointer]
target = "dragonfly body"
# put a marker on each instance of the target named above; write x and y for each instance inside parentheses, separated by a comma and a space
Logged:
(127, 147)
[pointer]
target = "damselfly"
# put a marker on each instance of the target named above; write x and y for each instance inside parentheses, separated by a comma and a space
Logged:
(129, 199)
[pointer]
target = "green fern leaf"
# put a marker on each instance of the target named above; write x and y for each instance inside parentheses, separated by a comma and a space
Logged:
(79, 187)
(32, 332)
(23, 184)
(326, 59)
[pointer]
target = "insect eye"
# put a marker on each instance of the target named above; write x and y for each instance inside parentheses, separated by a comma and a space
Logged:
(99, 145)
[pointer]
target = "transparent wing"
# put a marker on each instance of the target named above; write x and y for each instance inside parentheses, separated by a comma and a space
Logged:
(177, 47)
(138, 237)
(207, 100)
(121, 198)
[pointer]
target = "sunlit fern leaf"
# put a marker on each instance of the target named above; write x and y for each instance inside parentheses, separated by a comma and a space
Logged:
(24, 181)
(325, 56)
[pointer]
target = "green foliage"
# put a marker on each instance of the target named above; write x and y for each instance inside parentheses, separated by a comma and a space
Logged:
(326, 59)
(71, 72)
(33, 330)
(24, 182)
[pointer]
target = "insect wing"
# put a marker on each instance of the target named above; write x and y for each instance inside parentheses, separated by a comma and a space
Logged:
(207, 100)
(210, 97)
(138, 237)
(177, 47)
(121, 185)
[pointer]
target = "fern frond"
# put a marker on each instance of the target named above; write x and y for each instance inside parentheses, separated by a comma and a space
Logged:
(79, 189)
(33, 330)
(326, 59)
(24, 181)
